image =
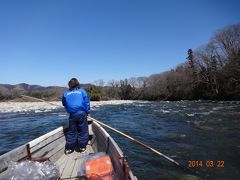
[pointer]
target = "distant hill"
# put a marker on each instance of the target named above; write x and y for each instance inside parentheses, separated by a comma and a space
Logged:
(19, 88)
(13, 92)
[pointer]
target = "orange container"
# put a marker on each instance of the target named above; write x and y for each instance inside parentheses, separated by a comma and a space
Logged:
(100, 168)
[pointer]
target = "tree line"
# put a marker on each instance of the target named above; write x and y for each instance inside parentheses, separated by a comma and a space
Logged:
(210, 72)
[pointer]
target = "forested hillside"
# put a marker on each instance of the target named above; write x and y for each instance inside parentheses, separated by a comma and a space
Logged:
(210, 72)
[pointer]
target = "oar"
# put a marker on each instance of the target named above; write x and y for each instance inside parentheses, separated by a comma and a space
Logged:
(131, 138)
(138, 142)
(150, 148)
(25, 96)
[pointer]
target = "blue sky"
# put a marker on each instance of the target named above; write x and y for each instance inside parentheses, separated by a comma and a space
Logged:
(47, 42)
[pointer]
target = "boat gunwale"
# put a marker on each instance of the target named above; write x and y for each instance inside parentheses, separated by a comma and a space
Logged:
(122, 158)
(20, 153)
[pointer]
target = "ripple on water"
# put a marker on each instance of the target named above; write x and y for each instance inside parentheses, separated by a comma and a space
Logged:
(183, 130)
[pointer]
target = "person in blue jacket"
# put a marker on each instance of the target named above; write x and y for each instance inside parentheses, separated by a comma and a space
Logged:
(77, 104)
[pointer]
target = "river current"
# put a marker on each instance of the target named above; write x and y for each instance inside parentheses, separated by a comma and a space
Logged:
(203, 136)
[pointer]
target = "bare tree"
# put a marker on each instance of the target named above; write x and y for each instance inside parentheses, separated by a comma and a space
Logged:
(133, 81)
(99, 82)
(227, 41)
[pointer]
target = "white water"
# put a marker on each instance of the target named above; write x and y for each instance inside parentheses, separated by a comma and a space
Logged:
(7, 107)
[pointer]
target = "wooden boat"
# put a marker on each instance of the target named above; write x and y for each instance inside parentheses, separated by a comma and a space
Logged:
(51, 146)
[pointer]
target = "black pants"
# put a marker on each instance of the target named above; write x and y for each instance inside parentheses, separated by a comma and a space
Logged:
(77, 132)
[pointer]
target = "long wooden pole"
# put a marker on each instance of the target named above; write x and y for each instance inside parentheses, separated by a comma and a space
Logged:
(138, 142)
(127, 136)
(25, 96)
(150, 148)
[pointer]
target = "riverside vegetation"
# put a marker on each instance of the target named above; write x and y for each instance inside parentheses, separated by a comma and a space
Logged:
(209, 72)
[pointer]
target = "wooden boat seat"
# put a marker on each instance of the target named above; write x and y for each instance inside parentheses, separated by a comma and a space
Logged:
(70, 165)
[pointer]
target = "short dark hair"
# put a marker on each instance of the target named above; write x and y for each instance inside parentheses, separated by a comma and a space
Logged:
(73, 83)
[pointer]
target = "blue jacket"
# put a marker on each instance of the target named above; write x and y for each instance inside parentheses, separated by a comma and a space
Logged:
(76, 101)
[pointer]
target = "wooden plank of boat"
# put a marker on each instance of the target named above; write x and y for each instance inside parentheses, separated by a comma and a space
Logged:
(51, 145)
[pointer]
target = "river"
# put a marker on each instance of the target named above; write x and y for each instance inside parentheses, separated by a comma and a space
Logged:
(194, 133)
